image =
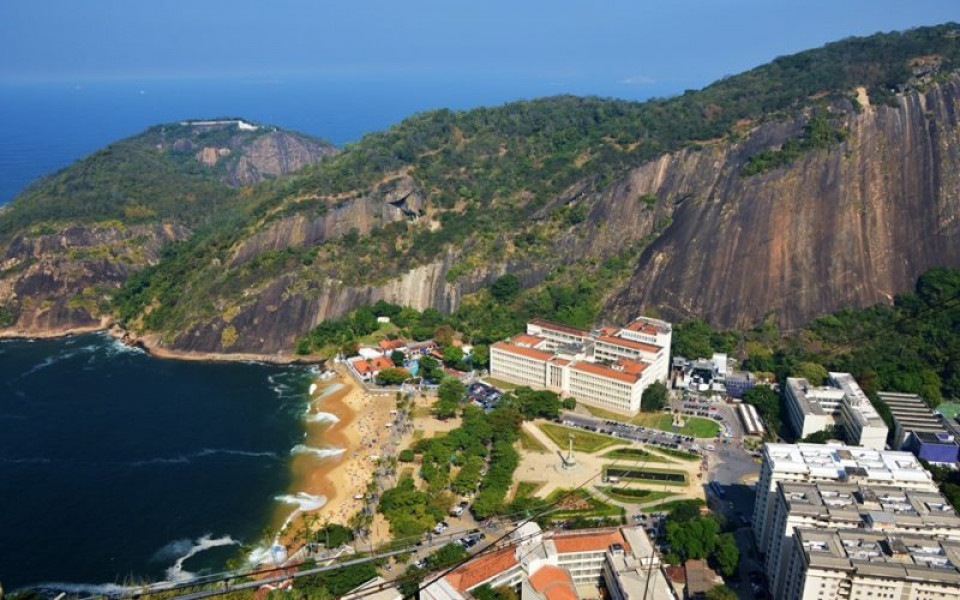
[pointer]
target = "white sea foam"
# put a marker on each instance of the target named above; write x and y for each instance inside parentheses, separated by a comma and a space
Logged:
(321, 452)
(323, 417)
(177, 573)
(313, 388)
(303, 500)
(184, 459)
(87, 589)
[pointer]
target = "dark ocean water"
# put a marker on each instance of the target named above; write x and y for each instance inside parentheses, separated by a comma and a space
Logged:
(113, 463)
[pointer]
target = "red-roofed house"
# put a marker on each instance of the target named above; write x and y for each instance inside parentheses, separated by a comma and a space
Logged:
(550, 566)
(391, 345)
(368, 368)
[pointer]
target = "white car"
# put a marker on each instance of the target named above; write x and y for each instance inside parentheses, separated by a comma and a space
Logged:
(710, 447)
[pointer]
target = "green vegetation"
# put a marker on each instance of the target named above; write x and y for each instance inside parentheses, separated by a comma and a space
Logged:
(767, 403)
(646, 474)
(818, 133)
(687, 506)
(579, 503)
(654, 397)
(681, 454)
(692, 536)
(531, 444)
(526, 489)
(635, 496)
(634, 454)
(333, 535)
(583, 441)
(392, 376)
(721, 592)
(695, 426)
(449, 396)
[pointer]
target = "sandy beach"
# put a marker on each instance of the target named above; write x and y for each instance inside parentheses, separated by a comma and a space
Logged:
(360, 431)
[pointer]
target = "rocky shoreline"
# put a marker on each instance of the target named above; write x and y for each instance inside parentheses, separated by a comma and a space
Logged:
(152, 346)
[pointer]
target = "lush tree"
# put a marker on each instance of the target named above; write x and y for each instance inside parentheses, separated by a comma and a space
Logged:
(569, 403)
(505, 288)
(444, 335)
(406, 455)
(721, 592)
(822, 437)
(695, 538)
(446, 556)
(654, 397)
(392, 376)
(726, 554)
(534, 404)
(815, 373)
(453, 356)
(452, 390)
(480, 357)
(398, 357)
(430, 369)
(767, 403)
(334, 535)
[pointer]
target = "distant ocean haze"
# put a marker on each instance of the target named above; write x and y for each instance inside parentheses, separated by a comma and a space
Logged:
(45, 127)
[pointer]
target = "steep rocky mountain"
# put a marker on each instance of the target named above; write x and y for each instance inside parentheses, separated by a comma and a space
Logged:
(823, 179)
(72, 238)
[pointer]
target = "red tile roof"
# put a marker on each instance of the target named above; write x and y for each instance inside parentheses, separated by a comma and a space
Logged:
(631, 366)
(603, 371)
(554, 583)
(643, 327)
(373, 365)
(629, 343)
(560, 327)
(527, 340)
(589, 542)
(481, 569)
(391, 344)
(528, 352)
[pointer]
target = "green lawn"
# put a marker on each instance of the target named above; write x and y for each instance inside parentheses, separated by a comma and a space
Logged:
(591, 505)
(530, 443)
(668, 505)
(635, 454)
(949, 410)
(583, 441)
(526, 489)
(681, 454)
(696, 426)
(634, 496)
(499, 383)
(646, 474)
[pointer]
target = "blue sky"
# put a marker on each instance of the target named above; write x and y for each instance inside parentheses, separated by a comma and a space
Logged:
(672, 43)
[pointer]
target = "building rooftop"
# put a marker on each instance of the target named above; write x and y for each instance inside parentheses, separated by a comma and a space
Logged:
(522, 339)
(372, 365)
(544, 324)
(522, 351)
(481, 569)
(554, 583)
(589, 542)
(864, 411)
(838, 461)
(649, 325)
(604, 371)
(618, 341)
(868, 506)
(876, 554)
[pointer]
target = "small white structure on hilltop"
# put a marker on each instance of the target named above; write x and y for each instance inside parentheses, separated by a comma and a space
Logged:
(240, 123)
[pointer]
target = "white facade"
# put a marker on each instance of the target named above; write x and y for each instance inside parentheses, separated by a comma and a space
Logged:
(867, 565)
(609, 368)
(812, 409)
(829, 463)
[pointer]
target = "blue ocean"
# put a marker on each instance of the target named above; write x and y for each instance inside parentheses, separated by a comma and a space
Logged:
(115, 466)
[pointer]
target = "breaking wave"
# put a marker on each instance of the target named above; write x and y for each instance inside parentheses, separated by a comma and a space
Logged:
(321, 452)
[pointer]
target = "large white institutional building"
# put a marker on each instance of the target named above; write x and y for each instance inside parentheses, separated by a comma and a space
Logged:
(608, 368)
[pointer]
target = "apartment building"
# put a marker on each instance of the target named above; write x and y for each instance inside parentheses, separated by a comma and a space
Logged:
(890, 509)
(920, 430)
(608, 368)
(860, 564)
(811, 409)
(838, 463)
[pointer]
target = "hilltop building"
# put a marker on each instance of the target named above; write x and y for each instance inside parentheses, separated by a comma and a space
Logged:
(608, 368)
(557, 566)
(812, 409)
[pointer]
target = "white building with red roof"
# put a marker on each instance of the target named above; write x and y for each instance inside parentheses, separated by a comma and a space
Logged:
(555, 566)
(608, 368)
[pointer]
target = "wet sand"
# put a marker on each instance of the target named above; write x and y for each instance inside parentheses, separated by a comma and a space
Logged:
(359, 431)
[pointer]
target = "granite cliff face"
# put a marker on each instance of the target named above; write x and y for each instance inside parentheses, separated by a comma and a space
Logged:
(52, 282)
(850, 226)
(826, 179)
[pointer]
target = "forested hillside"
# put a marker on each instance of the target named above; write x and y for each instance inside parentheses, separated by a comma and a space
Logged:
(670, 205)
